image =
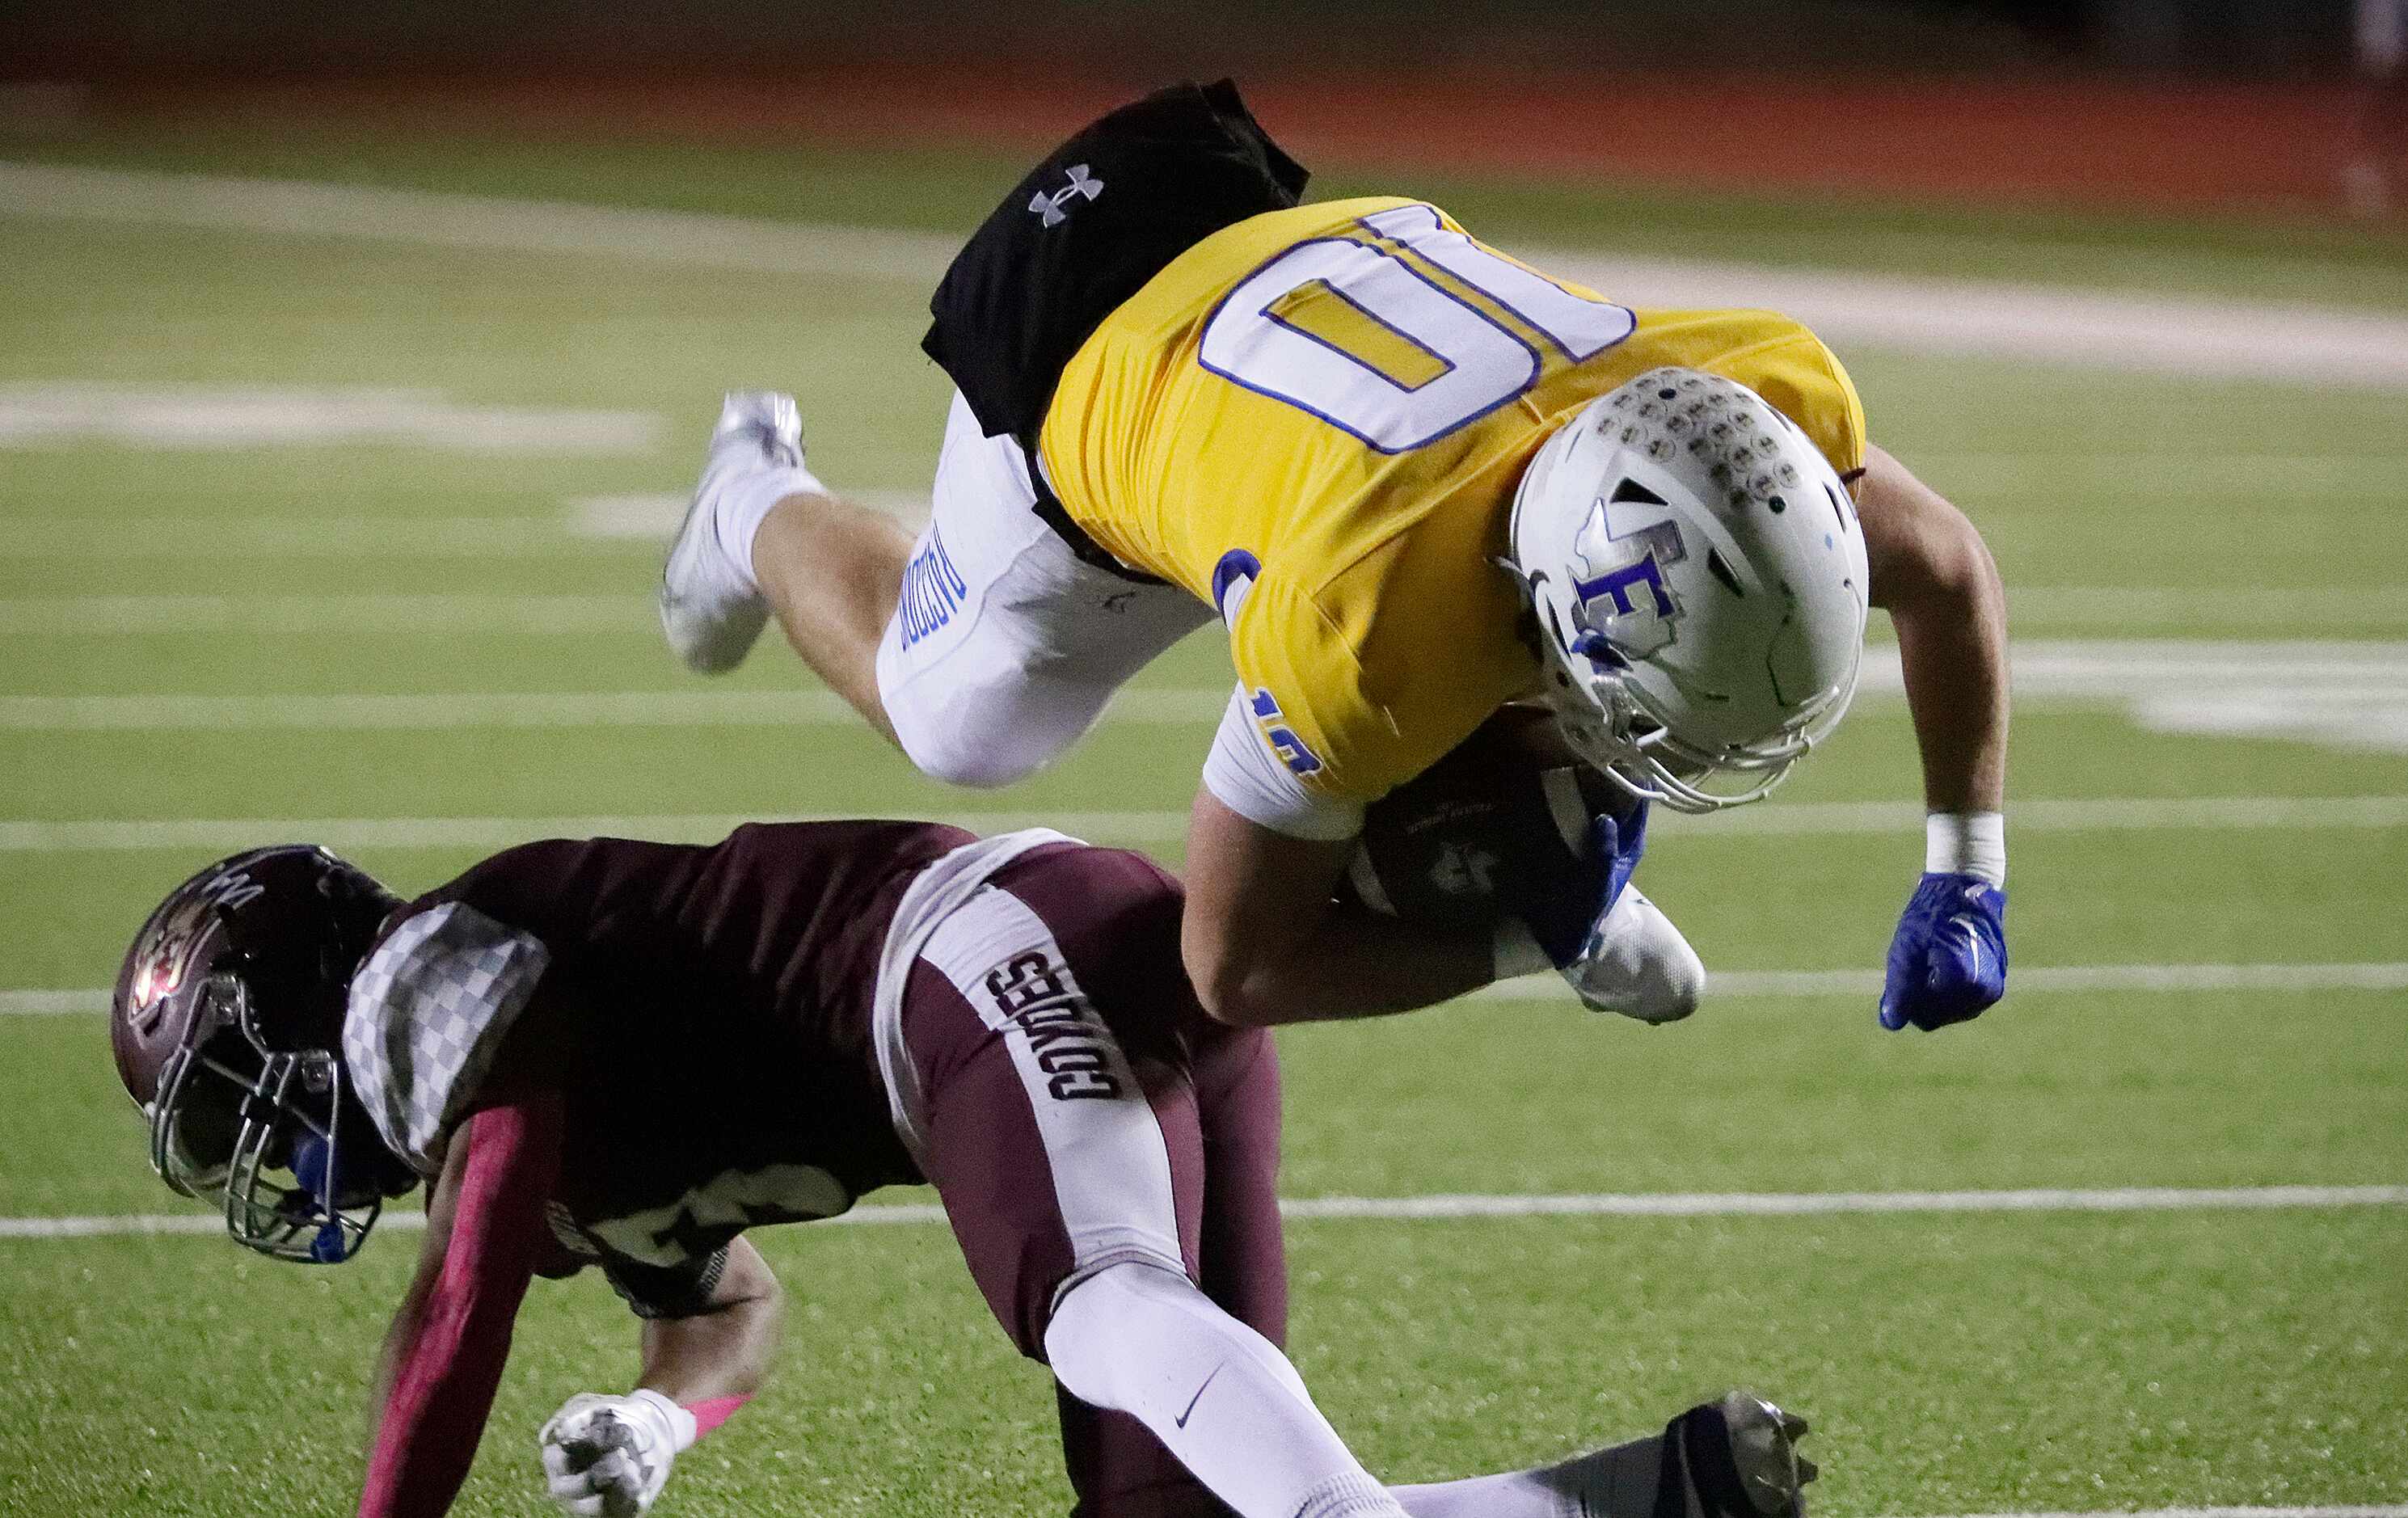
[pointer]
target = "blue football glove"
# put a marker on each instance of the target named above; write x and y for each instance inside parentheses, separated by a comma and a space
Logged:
(1563, 921)
(1949, 959)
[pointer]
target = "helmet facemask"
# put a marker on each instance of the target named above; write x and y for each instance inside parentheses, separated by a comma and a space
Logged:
(231, 1110)
(1609, 719)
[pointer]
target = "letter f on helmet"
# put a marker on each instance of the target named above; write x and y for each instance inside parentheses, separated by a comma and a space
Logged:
(1699, 583)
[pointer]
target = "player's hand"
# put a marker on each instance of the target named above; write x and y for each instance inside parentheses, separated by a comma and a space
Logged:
(1564, 916)
(1949, 960)
(1614, 947)
(609, 1456)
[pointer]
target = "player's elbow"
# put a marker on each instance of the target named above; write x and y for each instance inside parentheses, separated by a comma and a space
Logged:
(1229, 984)
(1924, 553)
(1955, 568)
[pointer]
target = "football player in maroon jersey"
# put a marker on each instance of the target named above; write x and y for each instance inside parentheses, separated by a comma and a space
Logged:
(622, 1054)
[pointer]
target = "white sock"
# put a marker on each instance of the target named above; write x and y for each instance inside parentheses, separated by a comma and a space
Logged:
(743, 505)
(1618, 1483)
(1139, 1339)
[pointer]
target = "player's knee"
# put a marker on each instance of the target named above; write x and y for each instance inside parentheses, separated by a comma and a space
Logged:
(1095, 1322)
(978, 769)
(985, 734)
(975, 756)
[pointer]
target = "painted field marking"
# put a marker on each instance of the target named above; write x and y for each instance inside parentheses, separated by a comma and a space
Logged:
(2180, 476)
(601, 524)
(2161, 606)
(2024, 981)
(382, 615)
(2352, 694)
(1445, 1207)
(2347, 1509)
(387, 539)
(1803, 819)
(650, 518)
(2040, 980)
(219, 418)
(689, 708)
(1992, 319)
(631, 612)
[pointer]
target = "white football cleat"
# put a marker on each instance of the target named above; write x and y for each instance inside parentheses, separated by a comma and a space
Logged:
(711, 610)
(1638, 964)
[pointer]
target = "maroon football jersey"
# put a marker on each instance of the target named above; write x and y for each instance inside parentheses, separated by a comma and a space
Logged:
(707, 1010)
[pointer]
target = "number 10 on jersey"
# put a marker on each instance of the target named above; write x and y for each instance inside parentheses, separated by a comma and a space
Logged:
(1479, 362)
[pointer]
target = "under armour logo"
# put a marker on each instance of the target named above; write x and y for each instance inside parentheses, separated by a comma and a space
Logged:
(1049, 207)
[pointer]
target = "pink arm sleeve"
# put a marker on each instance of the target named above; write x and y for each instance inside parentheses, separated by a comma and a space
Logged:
(443, 1386)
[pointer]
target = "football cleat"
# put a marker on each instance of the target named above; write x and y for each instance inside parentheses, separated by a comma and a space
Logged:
(711, 610)
(1737, 1458)
(1638, 964)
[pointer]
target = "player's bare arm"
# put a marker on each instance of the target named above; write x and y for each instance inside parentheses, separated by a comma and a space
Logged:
(444, 1355)
(727, 1350)
(1509, 855)
(698, 1369)
(1266, 944)
(409, 1317)
(1934, 576)
(1931, 571)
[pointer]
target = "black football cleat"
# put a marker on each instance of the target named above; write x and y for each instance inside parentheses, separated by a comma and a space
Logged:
(1734, 1458)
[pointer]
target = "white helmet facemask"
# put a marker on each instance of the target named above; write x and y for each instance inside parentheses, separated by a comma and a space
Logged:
(1699, 578)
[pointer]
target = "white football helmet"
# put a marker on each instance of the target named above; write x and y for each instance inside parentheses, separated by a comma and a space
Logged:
(1699, 578)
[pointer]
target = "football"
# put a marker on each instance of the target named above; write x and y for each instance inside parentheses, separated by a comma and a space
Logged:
(1503, 818)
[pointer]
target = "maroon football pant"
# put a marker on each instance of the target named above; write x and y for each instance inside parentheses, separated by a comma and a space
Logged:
(1080, 1110)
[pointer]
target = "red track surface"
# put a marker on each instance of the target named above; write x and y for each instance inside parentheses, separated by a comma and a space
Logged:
(1971, 140)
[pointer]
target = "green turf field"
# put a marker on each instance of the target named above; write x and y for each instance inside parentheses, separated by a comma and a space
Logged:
(1954, 1362)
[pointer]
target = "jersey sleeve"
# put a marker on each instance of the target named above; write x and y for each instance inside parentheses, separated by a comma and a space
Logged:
(1804, 381)
(427, 1013)
(1361, 689)
(1304, 689)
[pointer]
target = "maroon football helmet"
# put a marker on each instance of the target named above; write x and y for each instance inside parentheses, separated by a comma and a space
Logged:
(226, 1022)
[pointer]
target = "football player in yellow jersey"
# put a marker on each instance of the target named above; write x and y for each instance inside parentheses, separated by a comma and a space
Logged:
(1417, 480)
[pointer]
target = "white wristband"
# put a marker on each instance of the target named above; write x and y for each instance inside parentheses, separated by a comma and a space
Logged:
(1967, 843)
(1516, 951)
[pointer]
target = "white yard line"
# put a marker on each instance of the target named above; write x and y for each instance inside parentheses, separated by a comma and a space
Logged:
(383, 615)
(2161, 477)
(2347, 1509)
(107, 616)
(213, 834)
(2131, 607)
(477, 224)
(215, 418)
(2027, 981)
(387, 539)
(688, 707)
(2038, 979)
(2329, 691)
(1444, 1208)
(1992, 319)
(1803, 819)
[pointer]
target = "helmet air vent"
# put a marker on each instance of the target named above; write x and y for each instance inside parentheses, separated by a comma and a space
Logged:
(1721, 569)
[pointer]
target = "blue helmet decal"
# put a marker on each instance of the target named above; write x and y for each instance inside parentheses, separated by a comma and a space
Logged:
(1620, 582)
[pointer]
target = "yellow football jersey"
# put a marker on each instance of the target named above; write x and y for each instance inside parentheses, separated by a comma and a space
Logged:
(1316, 420)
